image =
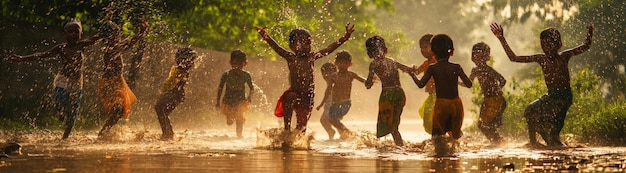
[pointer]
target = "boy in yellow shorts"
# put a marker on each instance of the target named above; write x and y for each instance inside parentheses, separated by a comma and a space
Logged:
(448, 111)
(235, 103)
(173, 91)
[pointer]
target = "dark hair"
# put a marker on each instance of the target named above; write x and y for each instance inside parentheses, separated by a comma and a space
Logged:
(343, 56)
(441, 45)
(185, 53)
(482, 46)
(425, 39)
(297, 33)
(109, 28)
(328, 67)
(552, 34)
(374, 44)
(238, 56)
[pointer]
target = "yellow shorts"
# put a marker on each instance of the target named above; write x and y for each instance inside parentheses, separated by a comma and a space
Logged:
(235, 112)
(448, 117)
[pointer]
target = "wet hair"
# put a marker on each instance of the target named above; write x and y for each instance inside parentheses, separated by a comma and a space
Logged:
(375, 43)
(238, 56)
(425, 39)
(109, 29)
(343, 56)
(441, 45)
(297, 33)
(72, 22)
(482, 46)
(552, 34)
(184, 54)
(328, 67)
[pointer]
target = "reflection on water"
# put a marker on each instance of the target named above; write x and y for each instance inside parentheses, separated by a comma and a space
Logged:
(213, 150)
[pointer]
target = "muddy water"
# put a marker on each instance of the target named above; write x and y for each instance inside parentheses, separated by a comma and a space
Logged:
(217, 150)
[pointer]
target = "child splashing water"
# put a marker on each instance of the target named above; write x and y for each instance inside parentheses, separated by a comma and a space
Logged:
(115, 95)
(173, 91)
(235, 103)
(300, 61)
(546, 115)
(448, 111)
(68, 81)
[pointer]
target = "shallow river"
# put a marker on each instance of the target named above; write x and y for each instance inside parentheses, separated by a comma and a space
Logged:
(216, 150)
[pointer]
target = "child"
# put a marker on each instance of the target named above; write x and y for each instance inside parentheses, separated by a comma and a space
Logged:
(114, 93)
(234, 102)
(448, 111)
(392, 98)
(546, 115)
(173, 91)
(68, 81)
(491, 84)
(299, 97)
(340, 85)
(426, 110)
(328, 69)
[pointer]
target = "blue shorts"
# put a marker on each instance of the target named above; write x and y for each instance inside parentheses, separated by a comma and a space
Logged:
(339, 109)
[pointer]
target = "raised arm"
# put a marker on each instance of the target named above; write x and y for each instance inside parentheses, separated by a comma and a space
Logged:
(499, 33)
(282, 52)
(335, 45)
(143, 31)
(91, 40)
(583, 47)
(39, 55)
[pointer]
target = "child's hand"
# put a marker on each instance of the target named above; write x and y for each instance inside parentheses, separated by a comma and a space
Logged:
(144, 24)
(262, 32)
(497, 30)
(349, 30)
(318, 107)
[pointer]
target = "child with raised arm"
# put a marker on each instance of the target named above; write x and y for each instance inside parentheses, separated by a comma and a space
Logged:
(173, 90)
(68, 81)
(235, 103)
(392, 98)
(340, 86)
(448, 111)
(115, 95)
(426, 110)
(299, 97)
(491, 84)
(328, 69)
(546, 115)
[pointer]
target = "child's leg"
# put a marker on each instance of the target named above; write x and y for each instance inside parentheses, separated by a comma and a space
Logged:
(343, 130)
(62, 97)
(302, 116)
(240, 119)
(116, 112)
(70, 116)
(397, 138)
(531, 114)
(288, 104)
(325, 121)
(163, 108)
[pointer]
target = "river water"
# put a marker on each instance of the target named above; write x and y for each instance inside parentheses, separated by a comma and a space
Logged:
(217, 150)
